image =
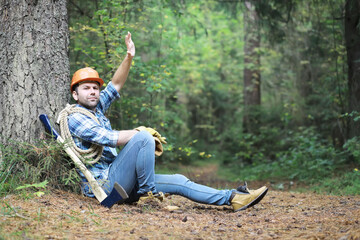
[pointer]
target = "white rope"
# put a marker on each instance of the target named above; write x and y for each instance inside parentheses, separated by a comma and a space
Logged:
(89, 156)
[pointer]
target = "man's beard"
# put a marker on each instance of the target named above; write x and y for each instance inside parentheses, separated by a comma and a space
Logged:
(90, 105)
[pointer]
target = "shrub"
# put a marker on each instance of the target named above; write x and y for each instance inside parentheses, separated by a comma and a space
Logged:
(346, 184)
(24, 163)
(353, 147)
(301, 156)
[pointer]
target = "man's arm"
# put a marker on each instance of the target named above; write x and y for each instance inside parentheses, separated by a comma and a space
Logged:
(125, 136)
(122, 72)
(119, 80)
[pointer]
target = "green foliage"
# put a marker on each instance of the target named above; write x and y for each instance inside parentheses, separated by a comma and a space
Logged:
(302, 156)
(346, 184)
(27, 166)
(310, 158)
(353, 146)
(36, 186)
(187, 80)
(176, 65)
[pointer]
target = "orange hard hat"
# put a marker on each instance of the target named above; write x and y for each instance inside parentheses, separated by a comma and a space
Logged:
(85, 74)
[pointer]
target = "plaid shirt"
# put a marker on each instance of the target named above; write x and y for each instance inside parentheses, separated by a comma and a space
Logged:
(86, 131)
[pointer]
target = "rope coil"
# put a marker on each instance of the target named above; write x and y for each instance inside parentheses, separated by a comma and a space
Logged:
(88, 156)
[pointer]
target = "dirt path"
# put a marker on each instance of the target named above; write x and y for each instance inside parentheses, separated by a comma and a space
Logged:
(281, 215)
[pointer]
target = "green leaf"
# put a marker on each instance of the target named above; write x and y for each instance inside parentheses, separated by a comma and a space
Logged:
(35, 185)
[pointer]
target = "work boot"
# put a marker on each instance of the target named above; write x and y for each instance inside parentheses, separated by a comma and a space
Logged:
(150, 195)
(243, 201)
(243, 188)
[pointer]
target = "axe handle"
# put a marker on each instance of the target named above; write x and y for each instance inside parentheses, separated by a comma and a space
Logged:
(97, 190)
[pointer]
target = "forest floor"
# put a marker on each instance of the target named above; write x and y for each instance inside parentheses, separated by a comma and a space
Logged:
(280, 215)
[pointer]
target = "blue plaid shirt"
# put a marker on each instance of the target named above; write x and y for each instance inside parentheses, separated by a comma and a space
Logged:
(86, 131)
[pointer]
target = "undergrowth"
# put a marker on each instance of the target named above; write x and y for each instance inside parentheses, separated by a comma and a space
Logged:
(22, 164)
(307, 159)
(348, 183)
(300, 156)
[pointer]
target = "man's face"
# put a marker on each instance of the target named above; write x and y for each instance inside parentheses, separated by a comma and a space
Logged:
(87, 95)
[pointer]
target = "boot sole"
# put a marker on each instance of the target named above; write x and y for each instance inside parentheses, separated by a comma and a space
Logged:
(255, 201)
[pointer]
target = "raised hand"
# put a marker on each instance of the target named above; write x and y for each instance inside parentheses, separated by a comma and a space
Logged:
(130, 45)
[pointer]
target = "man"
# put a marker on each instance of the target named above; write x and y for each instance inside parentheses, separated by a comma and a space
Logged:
(133, 167)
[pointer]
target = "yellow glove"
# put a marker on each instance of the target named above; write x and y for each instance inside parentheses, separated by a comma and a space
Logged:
(158, 147)
(153, 132)
(157, 137)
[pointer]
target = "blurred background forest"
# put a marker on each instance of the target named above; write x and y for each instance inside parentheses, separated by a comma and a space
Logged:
(266, 90)
(258, 87)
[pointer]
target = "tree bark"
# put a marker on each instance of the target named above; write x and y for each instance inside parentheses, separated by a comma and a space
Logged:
(352, 38)
(34, 69)
(252, 76)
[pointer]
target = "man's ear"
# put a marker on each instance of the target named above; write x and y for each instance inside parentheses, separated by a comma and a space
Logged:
(75, 95)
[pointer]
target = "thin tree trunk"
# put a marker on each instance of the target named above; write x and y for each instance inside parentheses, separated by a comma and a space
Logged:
(34, 69)
(352, 38)
(252, 77)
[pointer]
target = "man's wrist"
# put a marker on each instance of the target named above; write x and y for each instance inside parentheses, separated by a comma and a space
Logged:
(129, 56)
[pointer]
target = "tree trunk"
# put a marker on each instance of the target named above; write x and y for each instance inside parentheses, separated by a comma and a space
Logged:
(252, 68)
(34, 69)
(352, 38)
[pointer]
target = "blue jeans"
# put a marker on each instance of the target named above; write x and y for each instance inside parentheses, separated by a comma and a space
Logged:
(134, 170)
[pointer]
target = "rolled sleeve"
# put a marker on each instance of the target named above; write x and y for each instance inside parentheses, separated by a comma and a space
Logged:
(87, 129)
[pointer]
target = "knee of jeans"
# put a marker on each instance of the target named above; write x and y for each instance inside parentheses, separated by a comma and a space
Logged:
(146, 137)
(181, 178)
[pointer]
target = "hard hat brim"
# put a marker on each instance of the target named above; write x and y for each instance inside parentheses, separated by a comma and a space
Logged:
(98, 80)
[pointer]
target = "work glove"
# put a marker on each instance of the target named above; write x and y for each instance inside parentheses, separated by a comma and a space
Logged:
(159, 140)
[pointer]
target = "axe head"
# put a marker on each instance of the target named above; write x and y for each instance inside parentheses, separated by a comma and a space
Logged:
(117, 195)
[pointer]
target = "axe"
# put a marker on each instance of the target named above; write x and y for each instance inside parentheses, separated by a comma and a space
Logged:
(118, 194)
